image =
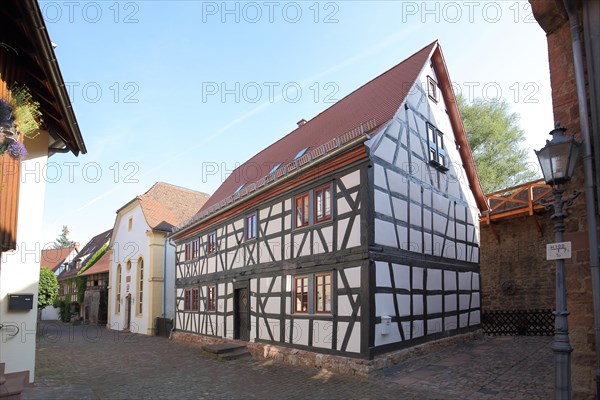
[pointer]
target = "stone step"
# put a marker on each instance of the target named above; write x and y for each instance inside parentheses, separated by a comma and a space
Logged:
(12, 385)
(236, 354)
(222, 347)
(227, 351)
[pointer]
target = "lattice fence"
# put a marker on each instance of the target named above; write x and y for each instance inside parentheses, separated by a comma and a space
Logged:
(518, 322)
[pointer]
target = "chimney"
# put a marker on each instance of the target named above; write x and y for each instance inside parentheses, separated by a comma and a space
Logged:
(301, 122)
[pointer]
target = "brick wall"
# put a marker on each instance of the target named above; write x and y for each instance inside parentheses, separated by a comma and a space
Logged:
(514, 272)
(552, 18)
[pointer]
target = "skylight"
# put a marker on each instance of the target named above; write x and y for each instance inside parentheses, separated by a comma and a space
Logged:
(274, 168)
(300, 153)
(239, 188)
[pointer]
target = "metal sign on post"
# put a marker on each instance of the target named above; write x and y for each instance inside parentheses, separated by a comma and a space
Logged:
(558, 251)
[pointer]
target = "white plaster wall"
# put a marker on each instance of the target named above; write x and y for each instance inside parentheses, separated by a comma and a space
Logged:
(169, 283)
(50, 313)
(20, 269)
(446, 196)
(129, 245)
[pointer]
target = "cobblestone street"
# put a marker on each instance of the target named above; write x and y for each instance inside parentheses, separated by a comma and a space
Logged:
(87, 362)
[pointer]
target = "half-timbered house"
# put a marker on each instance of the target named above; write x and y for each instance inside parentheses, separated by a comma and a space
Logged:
(142, 262)
(355, 234)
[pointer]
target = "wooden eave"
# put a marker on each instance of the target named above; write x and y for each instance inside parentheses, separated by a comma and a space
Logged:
(441, 71)
(27, 46)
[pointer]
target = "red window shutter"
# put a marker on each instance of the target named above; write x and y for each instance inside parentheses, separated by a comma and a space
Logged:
(9, 201)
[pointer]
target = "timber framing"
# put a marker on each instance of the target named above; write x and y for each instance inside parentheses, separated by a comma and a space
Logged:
(396, 261)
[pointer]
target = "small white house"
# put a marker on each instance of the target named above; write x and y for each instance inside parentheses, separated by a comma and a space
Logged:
(142, 262)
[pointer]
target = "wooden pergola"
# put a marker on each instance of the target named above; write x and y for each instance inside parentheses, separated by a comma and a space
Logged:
(514, 202)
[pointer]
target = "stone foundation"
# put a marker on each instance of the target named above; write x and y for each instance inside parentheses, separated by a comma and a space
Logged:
(331, 363)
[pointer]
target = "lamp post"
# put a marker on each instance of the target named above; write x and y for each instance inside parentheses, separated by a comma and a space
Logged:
(557, 159)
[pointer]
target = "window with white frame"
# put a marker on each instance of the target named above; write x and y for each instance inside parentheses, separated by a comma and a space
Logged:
(251, 226)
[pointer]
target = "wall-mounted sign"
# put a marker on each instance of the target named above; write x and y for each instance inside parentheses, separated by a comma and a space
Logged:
(558, 251)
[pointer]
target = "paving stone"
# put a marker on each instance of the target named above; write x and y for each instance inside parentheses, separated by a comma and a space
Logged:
(80, 362)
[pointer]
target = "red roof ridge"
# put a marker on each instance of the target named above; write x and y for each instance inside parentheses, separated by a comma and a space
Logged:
(173, 186)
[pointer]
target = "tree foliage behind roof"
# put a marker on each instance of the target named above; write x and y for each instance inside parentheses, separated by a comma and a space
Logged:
(496, 143)
(63, 240)
(48, 287)
(97, 255)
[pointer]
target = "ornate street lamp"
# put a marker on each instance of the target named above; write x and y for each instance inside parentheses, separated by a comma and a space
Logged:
(557, 159)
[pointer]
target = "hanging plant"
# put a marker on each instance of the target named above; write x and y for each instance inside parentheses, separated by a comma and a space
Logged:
(12, 147)
(20, 115)
(26, 112)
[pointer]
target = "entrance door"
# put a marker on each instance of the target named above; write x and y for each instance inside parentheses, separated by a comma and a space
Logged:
(241, 315)
(128, 312)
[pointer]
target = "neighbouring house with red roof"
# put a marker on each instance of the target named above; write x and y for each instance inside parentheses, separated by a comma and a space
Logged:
(58, 259)
(142, 261)
(95, 301)
(358, 236)
(85, 258)
(27, 60)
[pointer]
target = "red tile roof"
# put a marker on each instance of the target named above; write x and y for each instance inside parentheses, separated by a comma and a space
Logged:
(165, 205)
(377, 100)
(53, 258)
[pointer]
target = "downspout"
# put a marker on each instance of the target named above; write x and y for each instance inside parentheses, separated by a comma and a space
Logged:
(588, 176)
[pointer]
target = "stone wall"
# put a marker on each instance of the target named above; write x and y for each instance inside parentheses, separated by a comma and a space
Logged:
(514, 272)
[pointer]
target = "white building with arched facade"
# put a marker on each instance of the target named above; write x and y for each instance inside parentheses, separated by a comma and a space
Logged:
(142, 267)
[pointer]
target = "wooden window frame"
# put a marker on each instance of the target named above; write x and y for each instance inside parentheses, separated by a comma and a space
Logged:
(302, 279)
(319, 193)
(324, 302)
(191, 299)
(118, 297)
(251, 221)
(211, 298)
(305, 197)
(437, 153)
(195, 299)
(432, 89)
(211, 243)
(188, 251)
(187, 298)
(195, 249)
(140, 291)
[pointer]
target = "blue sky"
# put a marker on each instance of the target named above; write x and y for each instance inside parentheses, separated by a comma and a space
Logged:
(185, 91)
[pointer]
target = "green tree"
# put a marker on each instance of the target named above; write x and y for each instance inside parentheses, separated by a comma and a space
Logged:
(497, 143)
(63, 240)
(48, 289)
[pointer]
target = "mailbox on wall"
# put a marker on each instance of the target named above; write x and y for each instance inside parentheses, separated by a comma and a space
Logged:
(20, 301)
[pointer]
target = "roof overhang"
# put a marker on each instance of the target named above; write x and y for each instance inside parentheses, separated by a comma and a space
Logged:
(25, 40)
